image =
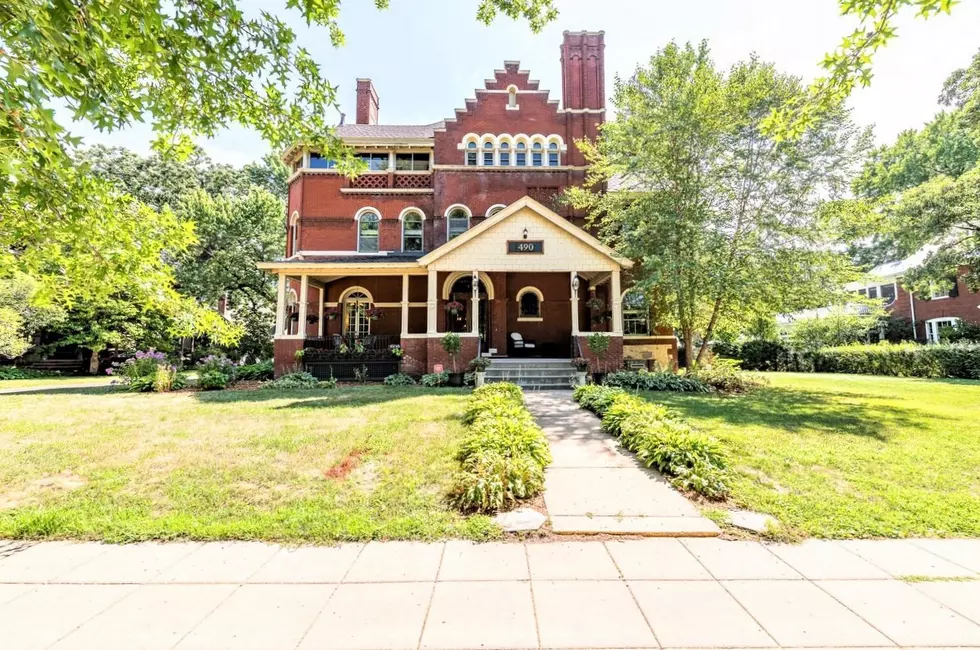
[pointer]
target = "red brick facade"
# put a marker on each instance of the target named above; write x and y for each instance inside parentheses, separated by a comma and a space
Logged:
(964, 305)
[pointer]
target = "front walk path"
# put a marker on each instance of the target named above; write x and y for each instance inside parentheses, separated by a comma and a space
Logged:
(646, 593)
(595, 486)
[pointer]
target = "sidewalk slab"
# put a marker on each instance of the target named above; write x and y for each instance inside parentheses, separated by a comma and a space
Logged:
(223, 562)
(589, 614)
(494, 561)
(308, 564)
(44, 562)
(396, 562)
(656, 559)
(571, 561)
(901, 558)
(965, 552)
(130, 563)
(818, 559)
(961, 597)
(906, 616)
(481, 614)
(739, 560)
(153, 617)
(646, 526)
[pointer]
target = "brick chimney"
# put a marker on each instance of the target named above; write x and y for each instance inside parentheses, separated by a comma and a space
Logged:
(367, 102)
(582, 70)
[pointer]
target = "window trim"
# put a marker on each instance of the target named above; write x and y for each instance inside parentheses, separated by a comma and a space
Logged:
(626, 311)
(540, 296)
(471, 149)
(345, 301)
(494, 209)
(363, 212)
(294, 233)
(407, 212)
(932, 326)
(449, 211)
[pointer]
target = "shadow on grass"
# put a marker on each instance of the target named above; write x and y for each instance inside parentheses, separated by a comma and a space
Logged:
(325, 398)
(794, 410)
(67, 390)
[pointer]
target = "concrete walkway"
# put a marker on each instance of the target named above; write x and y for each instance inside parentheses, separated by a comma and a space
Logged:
(651, 593)
(594, 486)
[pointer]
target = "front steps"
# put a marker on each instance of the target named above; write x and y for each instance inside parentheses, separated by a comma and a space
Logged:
(533, 374)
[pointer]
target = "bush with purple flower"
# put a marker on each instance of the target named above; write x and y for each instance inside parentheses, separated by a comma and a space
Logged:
(147, 371)
(216, 372)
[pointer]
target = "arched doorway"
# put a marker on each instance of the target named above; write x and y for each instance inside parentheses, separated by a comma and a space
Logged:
(461, 291)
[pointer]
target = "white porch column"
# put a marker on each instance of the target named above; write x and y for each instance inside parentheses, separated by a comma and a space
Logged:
(405, 304)
(304, 295)
(281, 306)
(574, 303)
(432, 303)
(617, 304)
(319, 314)
(475, 305)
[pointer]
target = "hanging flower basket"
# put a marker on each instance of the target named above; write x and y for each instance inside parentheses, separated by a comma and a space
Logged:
(332, 313)
(454, 306)
(374, 313)
(312, 319)
(595, 304)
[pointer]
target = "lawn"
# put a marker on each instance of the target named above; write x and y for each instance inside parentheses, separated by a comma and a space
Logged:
(851, 455)
(53, 382)
(320, 465)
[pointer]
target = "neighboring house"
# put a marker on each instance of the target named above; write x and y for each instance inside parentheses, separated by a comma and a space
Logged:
(455, 228)
(926, 314)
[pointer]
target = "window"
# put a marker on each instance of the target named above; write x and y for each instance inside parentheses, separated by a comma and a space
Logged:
(887, 293)
(935, 326)
(494, 209)
(636, 314)
(504, 154)
(553, 155)
(294, 234)
(471, 154)
(521, 155)
(356, 321)
(457, 222)
(488, 154)
(950, 293)
(412, 162)
(376, 162)
(537, 155)
(292, 308)
(872, 292)
(529, 301)
(367, 233)
(319, 162)
(512, 97)
(412, 232)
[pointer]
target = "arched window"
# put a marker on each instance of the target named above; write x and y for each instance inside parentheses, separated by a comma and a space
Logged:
(494, 209)
(294, 234)
(553, 155)
(367, 232)
(457, 222)
(521, 155)
(412, 231)
(504, 154)
(488, 154)
(512, 97)
(292, 312)
(537, 155)
(529, 301)
(471, 153)
(356, 302)
(636, 314)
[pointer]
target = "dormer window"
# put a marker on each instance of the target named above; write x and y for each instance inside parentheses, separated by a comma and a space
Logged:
(471, 154)
(537, 155)
(504, 154)
(521, 154)
(488, 154)
(553, 156)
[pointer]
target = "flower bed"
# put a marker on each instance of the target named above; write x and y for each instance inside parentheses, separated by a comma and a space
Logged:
(502, 459)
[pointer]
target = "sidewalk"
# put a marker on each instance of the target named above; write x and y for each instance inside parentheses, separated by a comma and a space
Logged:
(693, 593)
(593, 486)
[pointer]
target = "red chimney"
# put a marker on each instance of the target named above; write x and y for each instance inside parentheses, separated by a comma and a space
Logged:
(582, 70)
(367, 102)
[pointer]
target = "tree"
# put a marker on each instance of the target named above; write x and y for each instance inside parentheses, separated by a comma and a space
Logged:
(722, 218)
(189, 69)
(20, 317)
(840, 326)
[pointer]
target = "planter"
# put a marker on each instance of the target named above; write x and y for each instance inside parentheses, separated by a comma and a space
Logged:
(597, 377)
(479, 379)
(456, 379)
(580, 377)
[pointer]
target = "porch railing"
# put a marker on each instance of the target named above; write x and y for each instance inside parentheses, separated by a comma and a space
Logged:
(350, 347)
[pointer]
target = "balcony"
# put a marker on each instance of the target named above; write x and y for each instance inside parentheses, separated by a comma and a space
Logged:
(391, 181)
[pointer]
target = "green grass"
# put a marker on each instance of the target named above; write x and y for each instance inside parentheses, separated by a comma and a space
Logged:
(51, 382)
(321, 465)
(850, 455)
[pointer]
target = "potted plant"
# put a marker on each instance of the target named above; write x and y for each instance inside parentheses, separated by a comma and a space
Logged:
(479, 366)
(374, 313)
(454, 307)
(452, 344)
(312, 319)
(598, 344)
(595, 303)
(396, 350)
(581, 369)
(332, 313)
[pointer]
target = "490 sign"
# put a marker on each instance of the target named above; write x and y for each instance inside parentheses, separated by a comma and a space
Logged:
(524, 247)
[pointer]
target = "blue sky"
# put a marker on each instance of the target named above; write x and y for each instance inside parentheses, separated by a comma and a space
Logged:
(426, 56)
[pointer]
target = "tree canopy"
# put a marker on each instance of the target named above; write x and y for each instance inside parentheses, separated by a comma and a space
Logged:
(722, 217)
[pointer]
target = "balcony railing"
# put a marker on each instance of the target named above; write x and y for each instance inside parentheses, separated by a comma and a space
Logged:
(347, 357)
(401, 180)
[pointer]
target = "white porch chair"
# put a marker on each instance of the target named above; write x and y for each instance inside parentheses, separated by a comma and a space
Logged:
(519, 343)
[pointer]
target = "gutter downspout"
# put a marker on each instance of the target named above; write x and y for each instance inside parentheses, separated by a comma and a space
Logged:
(912, 305)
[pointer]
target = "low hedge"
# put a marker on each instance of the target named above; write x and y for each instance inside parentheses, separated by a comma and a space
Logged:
(692, 460)
(956, 360)
(503, 456)
(661, 381)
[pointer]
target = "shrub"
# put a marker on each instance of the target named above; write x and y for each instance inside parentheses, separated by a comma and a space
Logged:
(724, 375)
(298, 380)
(692, 460)
(726, 349)
(220, 364)
(212, 380)
(503, 456)
(260, 371)
(148, 372)
(435, 379)
(400, 379)
(480, 364)
(961, 332)
(762, 355)
(663, 380)
(452, 344)
(598, 344)
(957, 360)
(13, 372)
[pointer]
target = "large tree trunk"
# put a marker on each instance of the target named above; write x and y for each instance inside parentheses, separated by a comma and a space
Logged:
(688, 335)
(93, 363)
(710, 330)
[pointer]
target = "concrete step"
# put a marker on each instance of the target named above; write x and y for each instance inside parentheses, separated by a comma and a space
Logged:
(530, 372)
(531, 366)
